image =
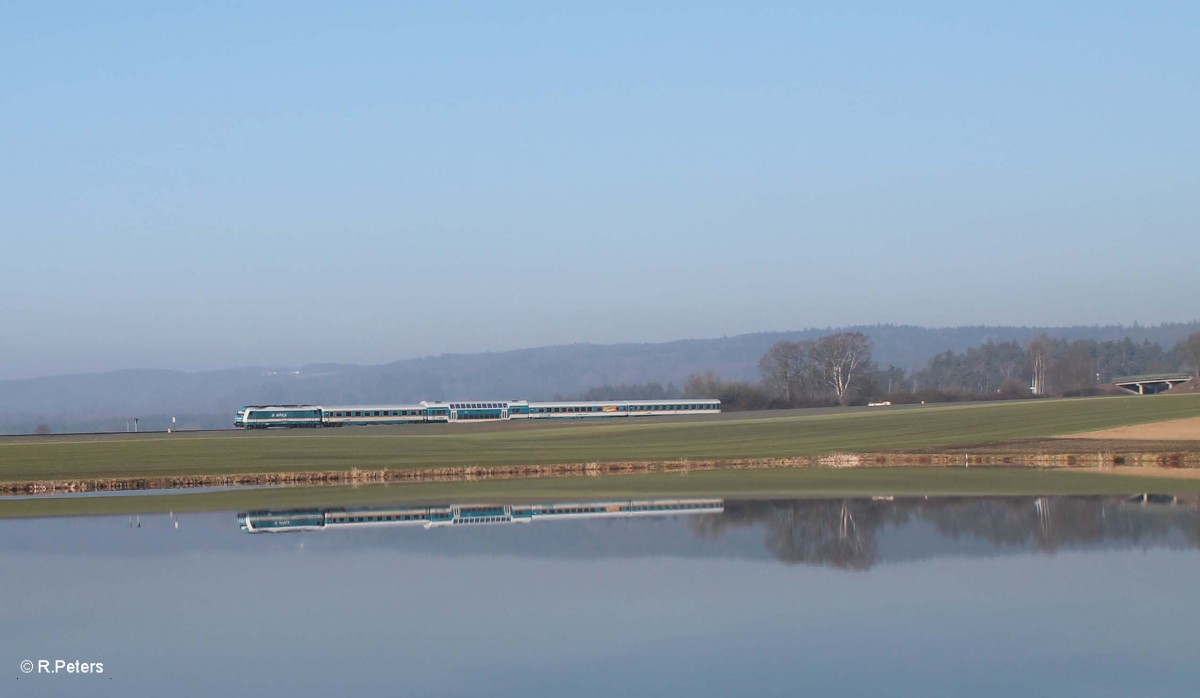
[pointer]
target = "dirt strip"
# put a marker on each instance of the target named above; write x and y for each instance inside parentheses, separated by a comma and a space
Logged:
(1099, 458)
(1172, 430)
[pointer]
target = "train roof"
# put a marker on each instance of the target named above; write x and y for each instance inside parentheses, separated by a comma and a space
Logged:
(507, 403)
(373, 407)
(443, 403)
(589, 403)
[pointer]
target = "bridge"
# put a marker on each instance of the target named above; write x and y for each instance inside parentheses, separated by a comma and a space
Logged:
(1152, 383)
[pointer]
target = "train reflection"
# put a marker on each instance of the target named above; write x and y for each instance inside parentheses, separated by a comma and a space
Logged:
(293, 520)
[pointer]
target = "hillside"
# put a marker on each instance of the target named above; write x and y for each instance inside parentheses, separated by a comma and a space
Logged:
(108, 401)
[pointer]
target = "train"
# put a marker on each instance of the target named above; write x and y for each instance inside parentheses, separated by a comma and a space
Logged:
(438, 412)
(301, 520)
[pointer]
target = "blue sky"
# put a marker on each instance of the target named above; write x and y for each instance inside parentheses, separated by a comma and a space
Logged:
(283, 183)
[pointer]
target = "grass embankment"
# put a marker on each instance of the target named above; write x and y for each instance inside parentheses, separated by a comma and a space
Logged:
(454, 446)
(743, 484)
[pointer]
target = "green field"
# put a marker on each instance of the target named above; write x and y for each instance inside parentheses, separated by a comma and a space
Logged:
(758, 435)
(743, 484)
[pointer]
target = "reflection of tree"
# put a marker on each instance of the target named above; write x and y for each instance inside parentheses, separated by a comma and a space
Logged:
(1051, 523)
(839, 533)
(843, 533)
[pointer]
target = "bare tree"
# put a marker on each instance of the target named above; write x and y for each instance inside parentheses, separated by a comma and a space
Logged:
(840, 358)
(1039, 353)
(702, 385)
(780, 369)
(1188, 351)
(1073, 369)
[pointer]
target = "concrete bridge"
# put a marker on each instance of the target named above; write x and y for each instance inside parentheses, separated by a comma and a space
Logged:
(1152, 383)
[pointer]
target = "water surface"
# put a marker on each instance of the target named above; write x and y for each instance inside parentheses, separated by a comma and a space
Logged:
(980, 596)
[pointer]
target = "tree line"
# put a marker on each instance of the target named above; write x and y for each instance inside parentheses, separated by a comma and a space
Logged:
(838, 370)
(1048, 366)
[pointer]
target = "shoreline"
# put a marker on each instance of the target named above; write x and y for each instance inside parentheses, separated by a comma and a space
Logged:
(1184, 462)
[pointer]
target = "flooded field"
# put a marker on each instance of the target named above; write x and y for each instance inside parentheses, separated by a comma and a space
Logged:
(910, 596)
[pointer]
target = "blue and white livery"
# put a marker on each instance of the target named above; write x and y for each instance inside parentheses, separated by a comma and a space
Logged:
(457, 515)
(437, 412)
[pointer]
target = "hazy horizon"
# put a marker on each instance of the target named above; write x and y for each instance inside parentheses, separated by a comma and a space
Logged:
(294, 183)
(1132, 328)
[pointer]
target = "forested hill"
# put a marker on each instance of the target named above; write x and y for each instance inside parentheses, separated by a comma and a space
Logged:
(106, 401)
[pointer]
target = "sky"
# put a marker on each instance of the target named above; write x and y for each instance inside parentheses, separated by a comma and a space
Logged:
(234, 184)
